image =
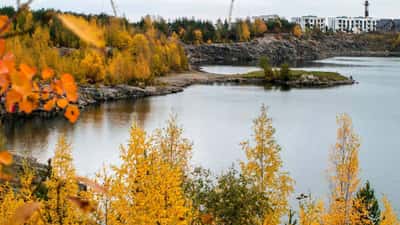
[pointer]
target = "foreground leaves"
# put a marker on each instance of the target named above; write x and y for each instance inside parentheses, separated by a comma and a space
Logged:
(6, 158)
(26, 91)
(87, 32)
(24, 213)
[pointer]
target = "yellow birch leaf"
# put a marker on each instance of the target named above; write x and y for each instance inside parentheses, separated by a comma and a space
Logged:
(89, 33)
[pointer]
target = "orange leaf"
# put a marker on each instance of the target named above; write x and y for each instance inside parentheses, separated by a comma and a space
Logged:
(13, 97)
(36, 87)
(67, 79)
(4, 83)
(49, 105)
(6, 158)
(29, 103)
(8, 60)
(28, 71)
(26, 106)
(2, 46)
(70, 87)
(82, 204)
(62, 103)
(21, 83)
(25, 212)
(45, 94)
(72, 96)
(3, 67)
(4, 21)
(95, 186)
(47, 74)
(72, 113)
(56, 86)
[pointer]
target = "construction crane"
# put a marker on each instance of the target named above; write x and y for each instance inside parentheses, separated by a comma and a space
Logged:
(114, 8)
(231, 12)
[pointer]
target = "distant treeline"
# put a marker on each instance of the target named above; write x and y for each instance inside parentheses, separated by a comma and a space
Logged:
(189, 30)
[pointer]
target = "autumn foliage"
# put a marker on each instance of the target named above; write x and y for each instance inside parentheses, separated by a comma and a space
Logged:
(154, 183)
(97, 50)
(25, 89)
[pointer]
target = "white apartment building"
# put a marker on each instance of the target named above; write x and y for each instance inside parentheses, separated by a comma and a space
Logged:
(311, 22)
(352, 24)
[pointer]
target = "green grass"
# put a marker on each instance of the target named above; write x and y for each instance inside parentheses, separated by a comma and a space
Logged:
(295, 74)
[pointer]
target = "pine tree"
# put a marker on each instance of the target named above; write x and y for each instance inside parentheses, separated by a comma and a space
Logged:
(367, 200)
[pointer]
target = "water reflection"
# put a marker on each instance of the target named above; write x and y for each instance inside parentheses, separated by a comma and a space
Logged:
(37, 136)
(218, 117)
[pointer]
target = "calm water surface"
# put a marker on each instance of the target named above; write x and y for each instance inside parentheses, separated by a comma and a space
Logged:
(217, 118)
(228, 70)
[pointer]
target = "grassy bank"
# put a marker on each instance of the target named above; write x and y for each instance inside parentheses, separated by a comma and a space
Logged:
(296, 74)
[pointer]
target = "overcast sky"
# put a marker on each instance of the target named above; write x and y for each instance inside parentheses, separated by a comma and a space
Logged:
(213, 9)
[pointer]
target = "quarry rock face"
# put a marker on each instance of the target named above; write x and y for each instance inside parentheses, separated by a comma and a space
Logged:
(281, 50)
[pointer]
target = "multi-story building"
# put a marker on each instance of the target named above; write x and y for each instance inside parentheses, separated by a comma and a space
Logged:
(352, 24)
(345, 24)
(311, 22)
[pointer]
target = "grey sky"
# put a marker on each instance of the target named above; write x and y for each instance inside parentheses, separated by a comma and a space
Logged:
(212, 9)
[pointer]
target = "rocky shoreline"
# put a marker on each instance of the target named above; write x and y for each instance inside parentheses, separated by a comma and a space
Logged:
(91, 95)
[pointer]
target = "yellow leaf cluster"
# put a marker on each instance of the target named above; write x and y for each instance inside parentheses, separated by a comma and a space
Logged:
(297, 31)
(388, 215)
(148, 187)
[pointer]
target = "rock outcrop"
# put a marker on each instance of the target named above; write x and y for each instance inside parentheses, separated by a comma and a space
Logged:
(283, 49)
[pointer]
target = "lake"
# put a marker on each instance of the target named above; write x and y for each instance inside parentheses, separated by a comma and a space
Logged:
(218, 117)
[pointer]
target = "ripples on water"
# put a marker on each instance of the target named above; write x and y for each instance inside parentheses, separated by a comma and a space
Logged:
(218, 117)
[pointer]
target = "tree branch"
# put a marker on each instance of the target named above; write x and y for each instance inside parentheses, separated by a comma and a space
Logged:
(12, 19)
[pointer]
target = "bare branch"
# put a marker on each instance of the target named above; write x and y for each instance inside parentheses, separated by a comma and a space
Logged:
(20, 10)
(15, 34)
